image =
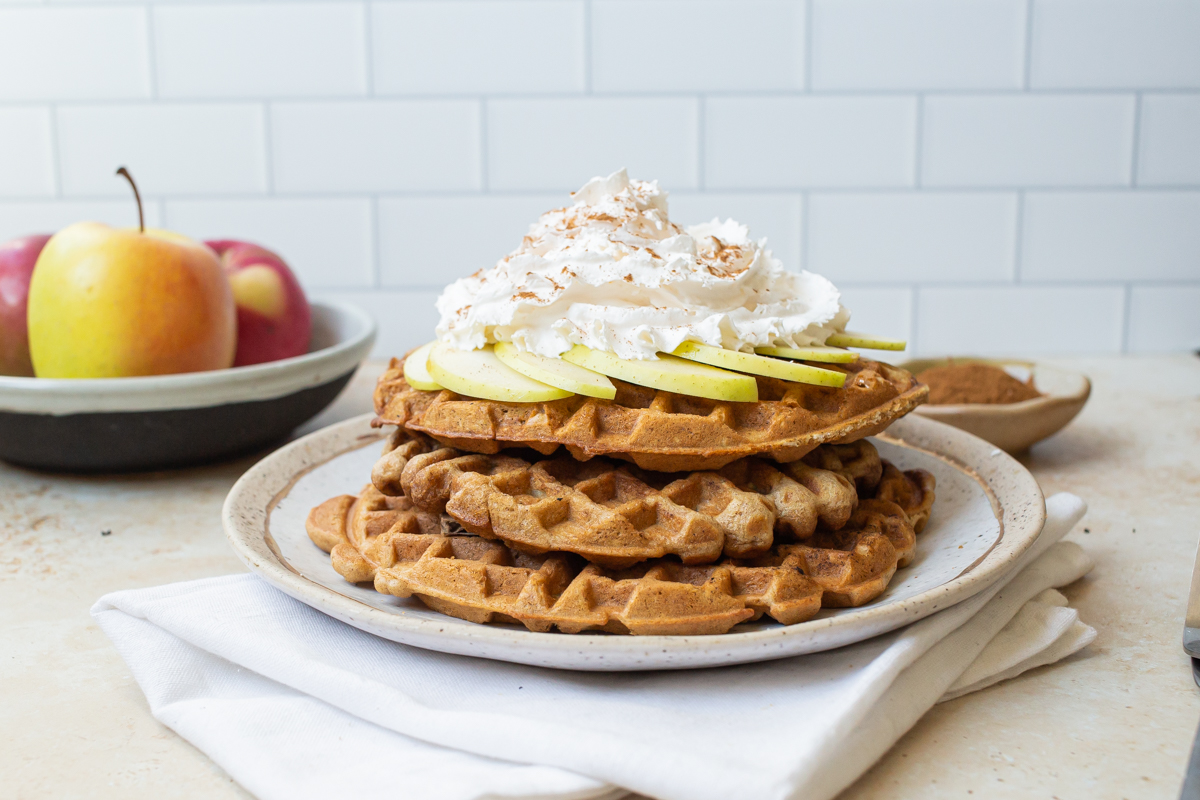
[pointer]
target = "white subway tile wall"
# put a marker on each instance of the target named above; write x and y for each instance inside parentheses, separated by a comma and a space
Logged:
(262, 50)
(426, 242)
(1028, 140)
(1169, 153)
(88, 53)
(471, 47)
(328, 240)
(992, 176)
(375, 146)
(697, 46)
(26, 153)
(1106, 44)
(1164, 316)
(918, 237)
(545, 144)
(1001, 320)
(172, 148)
(808, 142)
(919, 44)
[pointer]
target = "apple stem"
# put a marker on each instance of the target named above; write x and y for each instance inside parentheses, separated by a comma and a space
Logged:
(136, 196)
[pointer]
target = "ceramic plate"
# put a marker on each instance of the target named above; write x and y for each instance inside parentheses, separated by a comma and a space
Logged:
(989, 510)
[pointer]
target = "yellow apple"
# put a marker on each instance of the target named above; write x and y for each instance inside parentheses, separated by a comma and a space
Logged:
(110, 303)
(867, 341)
(556, 372)
(478, 373)
(760, 365)
(669, 374)
(416, 369)
(819, 352)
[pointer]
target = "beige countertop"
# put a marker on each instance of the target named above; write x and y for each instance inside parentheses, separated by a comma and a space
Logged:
(1116, 720)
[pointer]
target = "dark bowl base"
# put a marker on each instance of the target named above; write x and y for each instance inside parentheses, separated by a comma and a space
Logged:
(132, 441)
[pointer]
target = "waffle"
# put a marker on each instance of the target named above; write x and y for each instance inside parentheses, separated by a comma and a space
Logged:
(616, 515)
(911, 490)
(658, 430)
(390, 541)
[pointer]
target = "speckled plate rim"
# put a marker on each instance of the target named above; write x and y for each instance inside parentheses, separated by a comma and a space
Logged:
(1015, 495)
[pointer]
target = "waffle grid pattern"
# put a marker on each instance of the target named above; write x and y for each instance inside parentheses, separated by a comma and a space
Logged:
(658, 430)
(409, 550)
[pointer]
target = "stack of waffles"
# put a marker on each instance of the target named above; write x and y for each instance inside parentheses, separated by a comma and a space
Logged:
(651, 513)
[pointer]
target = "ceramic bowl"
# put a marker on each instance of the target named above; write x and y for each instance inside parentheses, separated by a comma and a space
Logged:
(1013, 427)
(127, 424)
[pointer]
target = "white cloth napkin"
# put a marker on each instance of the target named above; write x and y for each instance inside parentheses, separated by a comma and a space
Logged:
(294, 704)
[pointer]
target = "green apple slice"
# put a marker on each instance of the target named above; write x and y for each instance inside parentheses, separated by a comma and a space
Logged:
(416, 370)
(670, 374)
(865, 341)
(478, 373)
(830, 355)
(556, 372)
(759, 365)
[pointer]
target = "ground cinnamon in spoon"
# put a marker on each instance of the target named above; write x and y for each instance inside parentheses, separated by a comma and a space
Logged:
(975, 383)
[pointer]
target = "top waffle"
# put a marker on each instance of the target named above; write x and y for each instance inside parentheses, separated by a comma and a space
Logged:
(658, 430)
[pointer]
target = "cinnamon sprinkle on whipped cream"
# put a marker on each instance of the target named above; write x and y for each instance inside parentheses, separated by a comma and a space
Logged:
(611, 271)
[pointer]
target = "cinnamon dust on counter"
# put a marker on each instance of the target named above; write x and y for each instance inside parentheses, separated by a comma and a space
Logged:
(975, 383)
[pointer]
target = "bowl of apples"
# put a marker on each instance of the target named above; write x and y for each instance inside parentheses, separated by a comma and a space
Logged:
(138, 349)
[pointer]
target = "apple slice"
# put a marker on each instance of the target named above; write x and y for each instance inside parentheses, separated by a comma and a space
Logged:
(670, 374)
(832, 355)
(555, 372)
(416, 370)
(865, 341)
(478, 373)
(759, 365)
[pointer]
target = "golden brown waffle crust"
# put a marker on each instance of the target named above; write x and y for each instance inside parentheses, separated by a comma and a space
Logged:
(379, 539)
(420, 544)
(616, 515)
(657, 430)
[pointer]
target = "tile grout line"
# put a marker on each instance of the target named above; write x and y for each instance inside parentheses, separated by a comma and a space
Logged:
(1137, 140)
(808, 45)
(919, 142)
(151, 53)
(268, 149)
(1027, 68)
(587, 47)
(914, 315)
(1126, 310)
(890, 191)
(1018, 237)
(56, 151)
(805, 235)
(368, 51)
(658, 94)
(484, 186)
(376, 262)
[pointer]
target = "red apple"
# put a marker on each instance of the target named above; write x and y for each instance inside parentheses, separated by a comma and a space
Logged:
(273, 317)
(16, 268)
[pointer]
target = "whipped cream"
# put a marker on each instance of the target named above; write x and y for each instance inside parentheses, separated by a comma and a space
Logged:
(612, 272)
